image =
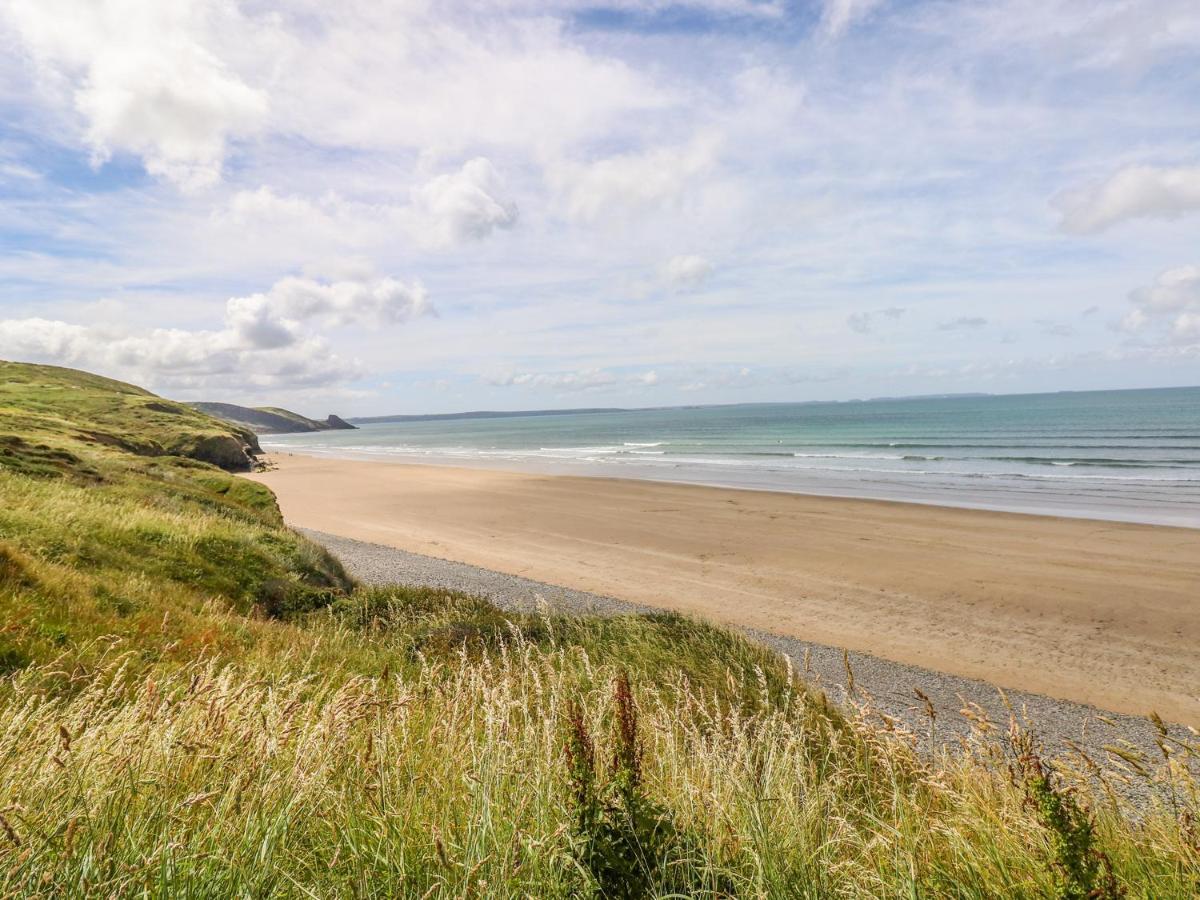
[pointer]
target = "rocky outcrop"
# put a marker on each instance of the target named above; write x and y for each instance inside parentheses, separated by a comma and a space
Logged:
(229, 452)
(334, 423)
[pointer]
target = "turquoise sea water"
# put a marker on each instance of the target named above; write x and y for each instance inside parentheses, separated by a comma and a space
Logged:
(1127, 455)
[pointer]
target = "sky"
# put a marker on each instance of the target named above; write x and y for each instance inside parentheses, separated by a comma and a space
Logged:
(370, 207)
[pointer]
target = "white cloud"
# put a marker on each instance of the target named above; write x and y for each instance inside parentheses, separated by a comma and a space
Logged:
(467, 205)
(591, 379)
(706, 378)
(16, 173)
(264, 341)
(174, 358)
(1186, 328)
(146, 79)
(289, 229)
(1096, 35)
(859, 322)
(39, 338)
(1133, 192)
(459, 207)
(1174, 290)
(767, 9)
(582, 380)
(382, 300)
(683, 272)
(962, 323)
(838, 16)
(909, 163)
(265, 205)
(627, 184)
(863, 322)
(179, 82)
(1170, 306)
(257, 325)
(445, 79)
(687, 379)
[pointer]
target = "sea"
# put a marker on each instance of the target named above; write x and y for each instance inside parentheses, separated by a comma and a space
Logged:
(1131, 455)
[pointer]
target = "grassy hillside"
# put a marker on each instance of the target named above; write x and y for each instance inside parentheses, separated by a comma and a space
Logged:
(194, 700)
(50, 415)
(269, 419)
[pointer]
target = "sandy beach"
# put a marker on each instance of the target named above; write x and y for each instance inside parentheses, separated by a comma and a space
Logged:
(1097, 612)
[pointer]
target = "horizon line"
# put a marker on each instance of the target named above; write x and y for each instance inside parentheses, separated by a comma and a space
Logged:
(596, 410)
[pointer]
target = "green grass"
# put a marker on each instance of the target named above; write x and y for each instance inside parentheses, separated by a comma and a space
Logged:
(195, 701)
(47, 409)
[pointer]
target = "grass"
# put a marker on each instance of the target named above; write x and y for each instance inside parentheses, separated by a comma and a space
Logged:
(195, 701)
(74, 412)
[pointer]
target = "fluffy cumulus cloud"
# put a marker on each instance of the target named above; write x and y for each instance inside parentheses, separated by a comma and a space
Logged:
(145, 79)
(684, 272)
(465, 205)
(1169, 307)
(291, 301)
(271, 339)
(174, 358)
(1134, 192)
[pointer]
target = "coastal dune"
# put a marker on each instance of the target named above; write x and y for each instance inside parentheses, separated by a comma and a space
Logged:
(1098, 612)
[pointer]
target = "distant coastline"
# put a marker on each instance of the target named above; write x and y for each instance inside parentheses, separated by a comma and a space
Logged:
(588, 410)
(479, 414)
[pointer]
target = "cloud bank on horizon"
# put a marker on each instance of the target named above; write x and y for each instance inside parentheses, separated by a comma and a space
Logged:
(505, 203)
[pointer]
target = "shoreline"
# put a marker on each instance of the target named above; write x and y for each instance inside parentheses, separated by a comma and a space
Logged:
(1085, 610)
(548, 468)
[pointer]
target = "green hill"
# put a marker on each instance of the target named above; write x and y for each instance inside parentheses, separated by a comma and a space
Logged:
(196, 701)
(63, 407)
(270, 419)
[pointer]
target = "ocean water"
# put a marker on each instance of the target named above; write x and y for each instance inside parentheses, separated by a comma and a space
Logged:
(1121, 455)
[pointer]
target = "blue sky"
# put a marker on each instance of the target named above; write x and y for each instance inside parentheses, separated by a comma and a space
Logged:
(421, 207)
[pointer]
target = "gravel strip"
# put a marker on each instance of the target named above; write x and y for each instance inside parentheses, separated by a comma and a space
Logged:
(889, 686)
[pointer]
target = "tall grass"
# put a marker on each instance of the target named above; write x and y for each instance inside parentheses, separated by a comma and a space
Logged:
(449, 775)
(195, 701)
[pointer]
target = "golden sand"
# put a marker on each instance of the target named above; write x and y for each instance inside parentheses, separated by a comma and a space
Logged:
(1101, 612)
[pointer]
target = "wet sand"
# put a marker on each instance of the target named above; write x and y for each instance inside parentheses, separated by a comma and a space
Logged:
(1098, 612)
